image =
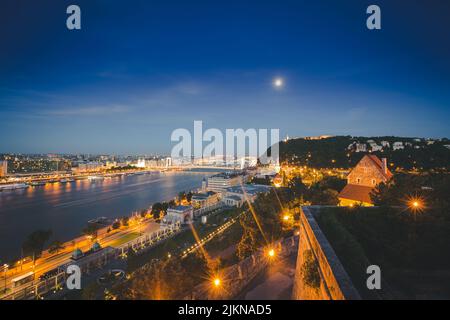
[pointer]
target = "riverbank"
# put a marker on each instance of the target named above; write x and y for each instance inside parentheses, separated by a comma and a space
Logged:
(65, 208)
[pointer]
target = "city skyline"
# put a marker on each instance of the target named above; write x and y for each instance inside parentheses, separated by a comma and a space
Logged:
(132, 75)
(224, 155)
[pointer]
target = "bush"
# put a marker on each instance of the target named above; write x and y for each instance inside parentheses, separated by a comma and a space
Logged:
(310, 270)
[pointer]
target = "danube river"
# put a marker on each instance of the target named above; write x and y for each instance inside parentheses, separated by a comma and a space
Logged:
(65, 208)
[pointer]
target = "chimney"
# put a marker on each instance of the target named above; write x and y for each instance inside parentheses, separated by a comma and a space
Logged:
(385, 169)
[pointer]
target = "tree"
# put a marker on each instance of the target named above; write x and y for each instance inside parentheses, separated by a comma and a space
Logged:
(91, 292)
(55, 247)
(310, 270)
(324, 197)
(34, 243)
(91, 231)
(124, 221)
(116, 225)
(297, 187)
(156, 210)
(171, 204)
(181, 196)
(159, 280)
(265, 181)
(330, 182)
(249, 241)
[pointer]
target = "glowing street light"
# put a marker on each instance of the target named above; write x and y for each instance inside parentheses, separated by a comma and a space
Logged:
(216, 282)
(416, 204)
(286, 217)
(271, 253)
(6, 273)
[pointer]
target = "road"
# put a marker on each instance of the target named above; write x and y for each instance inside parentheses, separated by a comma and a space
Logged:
(51, 261)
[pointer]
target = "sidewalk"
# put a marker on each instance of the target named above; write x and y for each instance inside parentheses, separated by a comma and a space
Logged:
(274, 283)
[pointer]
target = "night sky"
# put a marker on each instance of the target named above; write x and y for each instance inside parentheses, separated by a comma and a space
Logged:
(137, 70)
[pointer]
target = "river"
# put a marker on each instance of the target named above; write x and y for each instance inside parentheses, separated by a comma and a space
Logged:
(65, 208)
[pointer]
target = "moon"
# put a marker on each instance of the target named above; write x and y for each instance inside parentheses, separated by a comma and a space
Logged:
(278, 82)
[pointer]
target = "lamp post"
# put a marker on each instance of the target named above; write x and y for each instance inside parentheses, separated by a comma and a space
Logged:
(5, 266)
(216, 282)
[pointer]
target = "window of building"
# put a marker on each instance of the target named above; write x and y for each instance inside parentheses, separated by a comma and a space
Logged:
(358, 180)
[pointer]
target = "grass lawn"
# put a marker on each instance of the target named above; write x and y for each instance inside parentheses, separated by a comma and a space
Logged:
(185, 239)
(412, 252)
(126, 238)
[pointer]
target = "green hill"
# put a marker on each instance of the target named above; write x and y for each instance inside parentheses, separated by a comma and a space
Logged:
(341, 152)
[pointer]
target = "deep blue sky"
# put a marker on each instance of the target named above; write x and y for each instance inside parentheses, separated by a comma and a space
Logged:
(139, 69)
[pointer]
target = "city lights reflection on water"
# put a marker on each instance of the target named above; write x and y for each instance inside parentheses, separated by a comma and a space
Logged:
(65, 207)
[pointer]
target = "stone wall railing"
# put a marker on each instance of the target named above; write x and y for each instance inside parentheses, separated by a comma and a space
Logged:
(335, 284)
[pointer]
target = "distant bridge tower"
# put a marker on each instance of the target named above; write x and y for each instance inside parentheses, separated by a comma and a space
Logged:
(204, 184)
(168, 162)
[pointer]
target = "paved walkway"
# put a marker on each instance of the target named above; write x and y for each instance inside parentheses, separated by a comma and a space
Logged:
(274, 283)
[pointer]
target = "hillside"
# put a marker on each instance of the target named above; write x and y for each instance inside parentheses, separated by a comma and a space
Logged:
(346, 151)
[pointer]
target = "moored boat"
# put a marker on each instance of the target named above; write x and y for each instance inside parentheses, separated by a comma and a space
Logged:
(38, 183)
(13, 186)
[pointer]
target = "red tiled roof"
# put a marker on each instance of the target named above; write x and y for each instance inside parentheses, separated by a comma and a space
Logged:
(356, 193)
(379, 165)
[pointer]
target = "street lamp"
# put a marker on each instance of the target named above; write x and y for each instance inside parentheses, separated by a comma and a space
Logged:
(5, 266)
(216, 282)
(416, 204)
(271, 253)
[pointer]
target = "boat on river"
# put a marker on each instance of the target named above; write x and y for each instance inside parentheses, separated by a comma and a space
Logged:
(13, 186)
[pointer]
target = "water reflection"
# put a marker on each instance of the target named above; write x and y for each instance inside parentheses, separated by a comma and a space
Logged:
(66, 207)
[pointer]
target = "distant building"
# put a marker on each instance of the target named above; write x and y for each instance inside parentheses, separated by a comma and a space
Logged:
(398, 146)
(236, 196)
(3, 168)
(154, 163)
(204, 199)
(385, 144)
(233, 201)
(361, 147)
(318, 137)
(366, 175)
(374, 147)
(205, 202)
(220, 182)
(89, 167)
(182, 214)
(204, 185)
(141, 163)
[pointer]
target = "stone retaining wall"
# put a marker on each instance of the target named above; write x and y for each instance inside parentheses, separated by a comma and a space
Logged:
(335, 284)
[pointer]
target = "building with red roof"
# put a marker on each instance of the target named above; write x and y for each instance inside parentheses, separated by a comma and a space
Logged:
(365, 176)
